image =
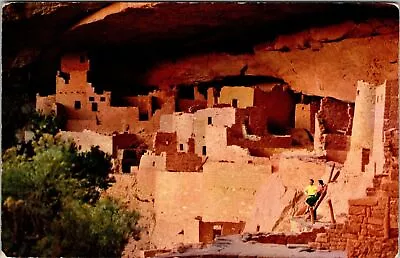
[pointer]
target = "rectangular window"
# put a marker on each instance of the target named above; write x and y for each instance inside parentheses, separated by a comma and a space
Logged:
(94, 106)
(181, 147)
(204, 150)
(102, 99)
(82, 59)
(234, 103)
(91, 98)
(209, 120)
(77, 104)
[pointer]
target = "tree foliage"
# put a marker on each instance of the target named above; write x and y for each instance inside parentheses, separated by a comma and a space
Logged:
(41, 124)
(52, 204)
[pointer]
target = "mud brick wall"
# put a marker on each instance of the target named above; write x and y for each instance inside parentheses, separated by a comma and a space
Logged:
(391, 105)
(280, 106)
(183, 162)
(284, 239)
(228, 228)
(165, 142)
(257, 121)
(337, 142)
(334, 115)
(123, 141)
(45, 104)
(314, 107)
(371, 229)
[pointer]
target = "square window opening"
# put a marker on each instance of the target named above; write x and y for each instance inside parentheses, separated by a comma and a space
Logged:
(102, 99)
(91, 98)
(77, 104)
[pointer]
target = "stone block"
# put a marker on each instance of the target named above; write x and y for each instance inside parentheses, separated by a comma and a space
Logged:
(354, 228)
(375, 230)
(325, 246)
(350, 236)
(314, 245)
(390, 187)
(322, 238)
(356, 210)
(368, 201)
(375, 221)
(356, 219)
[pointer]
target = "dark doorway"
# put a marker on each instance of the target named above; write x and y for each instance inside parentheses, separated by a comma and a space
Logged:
(94, 106)
(234, 103)
(217, 231)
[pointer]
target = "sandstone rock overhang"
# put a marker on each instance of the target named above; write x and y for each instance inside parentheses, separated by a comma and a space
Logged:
(30, 30)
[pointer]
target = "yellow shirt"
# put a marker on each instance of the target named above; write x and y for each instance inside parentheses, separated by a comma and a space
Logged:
(311, 190)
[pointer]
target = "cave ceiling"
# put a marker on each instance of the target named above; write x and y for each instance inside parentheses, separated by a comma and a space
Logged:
(133, 37)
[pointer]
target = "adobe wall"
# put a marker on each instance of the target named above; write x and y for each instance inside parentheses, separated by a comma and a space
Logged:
(221, 118)
(150, 160)
(146, 181)
(258, 120)
(336, 146)
(244, 96)
(363, 125)
(229, 189)
(227, 228)
(183, 126)
(211, 97)
(224, 192)
(183, 162)
(166, 123)
(165, 142)
(120, 119)
(334, 116)
(86, 139)
(45, 104)
(377, 155)
(78, 125)
(303, 116)
(217, 148)
(279, 104)
(178, 200)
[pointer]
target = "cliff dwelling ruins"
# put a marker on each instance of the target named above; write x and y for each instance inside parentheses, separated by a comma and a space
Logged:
(216, 116)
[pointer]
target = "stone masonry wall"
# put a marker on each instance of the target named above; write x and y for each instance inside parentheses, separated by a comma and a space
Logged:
(371, 229)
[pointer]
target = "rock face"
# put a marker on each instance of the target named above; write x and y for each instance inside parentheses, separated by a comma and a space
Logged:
(329, 45)
(331, 70)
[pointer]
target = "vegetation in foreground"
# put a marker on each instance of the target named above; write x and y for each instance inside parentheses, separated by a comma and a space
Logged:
(51, 200)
